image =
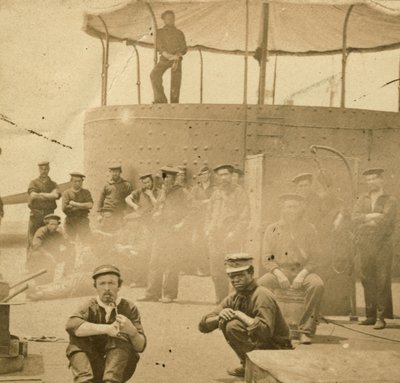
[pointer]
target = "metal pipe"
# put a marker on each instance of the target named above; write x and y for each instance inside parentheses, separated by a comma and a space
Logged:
(105, 64)
(138, 82)
(344, 57)
(274, 84)
(15, 293)
(201, 75)
(264, 55)
(153, 16)
(28, 278)
(246, 57)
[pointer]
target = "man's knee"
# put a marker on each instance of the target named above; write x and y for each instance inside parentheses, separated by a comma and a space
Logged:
(315, 283)
(235, 327)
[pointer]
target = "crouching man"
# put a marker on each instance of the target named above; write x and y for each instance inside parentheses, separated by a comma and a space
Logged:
(249, 318)
(105, 334)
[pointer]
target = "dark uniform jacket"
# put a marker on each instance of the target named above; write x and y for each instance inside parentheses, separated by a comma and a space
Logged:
(228, 211)
(92, 312)
(291, 249)
(171, 40)
(113, 195)
(81, 196)
(257, 302)
(374, 236)
(49, 241)
(42, 186)
(139, 197)
(175, 207)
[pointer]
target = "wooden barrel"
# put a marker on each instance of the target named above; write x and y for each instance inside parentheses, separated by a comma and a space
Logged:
(291, 303)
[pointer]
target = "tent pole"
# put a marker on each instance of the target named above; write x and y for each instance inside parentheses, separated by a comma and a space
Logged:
(246, 57)
(153, 16)
(102, 69)
(398, 86)
(138, 82)
(274, 85)
(201, 75)
(344, 58)
(105, 64)
(264, 54)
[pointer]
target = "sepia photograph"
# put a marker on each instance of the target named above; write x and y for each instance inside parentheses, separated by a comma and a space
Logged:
(201, 191)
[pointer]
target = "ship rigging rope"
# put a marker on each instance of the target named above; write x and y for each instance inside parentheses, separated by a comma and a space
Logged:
(359, 331)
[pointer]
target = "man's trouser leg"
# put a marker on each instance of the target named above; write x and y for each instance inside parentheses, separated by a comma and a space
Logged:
(174, 254)
(368, 280)
(314, 288)
(217, 270)
(236, 335)
(384, 301)
(176, 79)
(156, 270)
(269, 281)
(86, 368)
(120, 364)
(157, 82)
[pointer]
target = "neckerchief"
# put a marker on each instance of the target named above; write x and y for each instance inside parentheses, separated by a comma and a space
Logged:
(108, 308)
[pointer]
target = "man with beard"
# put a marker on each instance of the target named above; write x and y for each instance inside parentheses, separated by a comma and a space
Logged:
(290, 254)
(144, 202)
(112, 200)
(168, 252)
(105, 334)
(249, 318)
(227, 219)
(375, 217)
(43, 193)
(76, 204)
(238, 176)
(171, 45)
(201, 194)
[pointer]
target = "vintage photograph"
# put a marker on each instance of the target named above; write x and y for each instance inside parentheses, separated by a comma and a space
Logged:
(202, 191)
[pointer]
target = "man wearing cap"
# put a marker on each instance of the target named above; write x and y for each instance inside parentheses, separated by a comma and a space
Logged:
(290, 253)
(226, 223)
(169, 251)
(48, 250)
(105, 334)
(316, 206)
(375, 217)
(249, 318)
(201, 194)
(112, 200)
(76, 204)
(144, 202)
(43, 193)
(171, 45)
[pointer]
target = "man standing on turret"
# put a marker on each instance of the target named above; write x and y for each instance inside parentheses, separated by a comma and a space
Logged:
(171, 45)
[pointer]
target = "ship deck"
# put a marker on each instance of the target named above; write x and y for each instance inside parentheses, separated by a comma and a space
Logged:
(177, 352)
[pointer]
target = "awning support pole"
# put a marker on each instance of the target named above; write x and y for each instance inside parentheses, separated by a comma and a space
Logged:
(103, 55)
(246, 57)
(264, 55)
(344, 58)
(138, 82)
(104, 74)
(155, 27)
(201, 75)
(274, 84)
(398, 86)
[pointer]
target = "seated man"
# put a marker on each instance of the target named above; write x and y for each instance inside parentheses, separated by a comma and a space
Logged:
(105, 334)
(290, 254)
(250, 319)
(49, 250)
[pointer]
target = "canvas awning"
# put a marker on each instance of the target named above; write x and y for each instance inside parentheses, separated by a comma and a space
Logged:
(296, 27)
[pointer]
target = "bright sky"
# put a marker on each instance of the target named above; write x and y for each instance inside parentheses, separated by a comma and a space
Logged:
(50, 73)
